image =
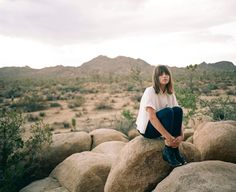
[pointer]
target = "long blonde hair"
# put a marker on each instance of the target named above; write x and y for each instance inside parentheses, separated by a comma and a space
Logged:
(158, 71)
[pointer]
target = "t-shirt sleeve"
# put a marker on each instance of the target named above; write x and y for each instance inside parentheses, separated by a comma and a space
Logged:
(175, 102)
(149, 99)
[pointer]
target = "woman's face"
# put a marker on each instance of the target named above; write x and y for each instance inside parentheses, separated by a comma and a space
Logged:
(164, 79)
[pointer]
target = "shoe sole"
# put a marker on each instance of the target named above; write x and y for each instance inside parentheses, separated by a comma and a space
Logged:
(177, 165)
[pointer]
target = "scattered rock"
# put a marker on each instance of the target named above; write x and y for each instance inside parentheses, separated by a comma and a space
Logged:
(133, 133)
(64, 145)
(139, 166)
(83, 172)
(102, 135)
(44, 185)
(207, 176)
(109, 148)
(216, 140)
(190, 152)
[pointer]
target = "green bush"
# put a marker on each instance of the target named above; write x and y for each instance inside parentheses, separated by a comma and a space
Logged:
(212, 86)
(32, 118)
(66, 124)
(220, 108)
(19, 159)
(55, 105)
(103, 106)
(30, 103)
(77, 102)
(187, 99)
(126, 122)
(42, 114)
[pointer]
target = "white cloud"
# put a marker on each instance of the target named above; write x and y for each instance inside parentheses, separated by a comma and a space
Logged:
(42, 33)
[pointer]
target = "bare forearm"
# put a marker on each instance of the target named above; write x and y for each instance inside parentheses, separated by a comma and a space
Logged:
(159, 127)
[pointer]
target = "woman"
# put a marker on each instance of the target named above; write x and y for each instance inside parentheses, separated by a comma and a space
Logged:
(160, 116)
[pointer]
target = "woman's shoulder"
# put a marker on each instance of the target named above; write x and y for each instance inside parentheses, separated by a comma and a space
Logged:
(150, 90)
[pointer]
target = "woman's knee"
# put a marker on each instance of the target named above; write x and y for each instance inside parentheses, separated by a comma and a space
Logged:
(177, 110)
(166, 112)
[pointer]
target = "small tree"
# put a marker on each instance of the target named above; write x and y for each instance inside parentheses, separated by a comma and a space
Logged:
(73, 122)
(136, 77)
(191, 70)
(20, 159)
(126, 122)
(188, 100)
(220, 108)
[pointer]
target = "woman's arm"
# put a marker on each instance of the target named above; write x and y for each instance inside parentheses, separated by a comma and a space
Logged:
(158, 126)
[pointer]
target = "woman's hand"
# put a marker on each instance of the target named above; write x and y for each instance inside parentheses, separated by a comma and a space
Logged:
(177, 141)
(170, 140)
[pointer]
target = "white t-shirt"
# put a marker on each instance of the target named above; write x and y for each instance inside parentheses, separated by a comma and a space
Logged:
(156, 101)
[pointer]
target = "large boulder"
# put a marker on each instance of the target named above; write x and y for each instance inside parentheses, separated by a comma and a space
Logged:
(190, 139)
(83, 172)
(109, 148)
(206, 176)
(196, 121)
(188, 133)
(47, 184)
(190, 152)
(216, 140)
(138, 167)
(133, 133)
(102, 135)
(63, 145)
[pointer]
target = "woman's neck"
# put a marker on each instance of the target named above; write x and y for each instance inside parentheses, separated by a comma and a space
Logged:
(162, 88)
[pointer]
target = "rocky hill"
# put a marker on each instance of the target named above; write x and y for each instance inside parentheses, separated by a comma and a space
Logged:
(102, 65)
(222, 66)
(118, 65)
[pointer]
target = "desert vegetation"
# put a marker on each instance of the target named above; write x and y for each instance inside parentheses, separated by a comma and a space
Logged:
(86, 103)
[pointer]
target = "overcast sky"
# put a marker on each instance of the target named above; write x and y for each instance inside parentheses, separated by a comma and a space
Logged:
(43, 33)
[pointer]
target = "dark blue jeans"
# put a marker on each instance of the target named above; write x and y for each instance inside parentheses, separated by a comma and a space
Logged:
(170, 118)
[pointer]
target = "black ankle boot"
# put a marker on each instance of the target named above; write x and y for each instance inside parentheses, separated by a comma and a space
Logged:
(169, 156)
(178, 156)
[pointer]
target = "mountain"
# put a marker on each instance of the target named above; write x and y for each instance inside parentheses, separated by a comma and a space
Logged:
(9, 72)
(218, 66)
(119, 65)
(58, 71)
(103, 65)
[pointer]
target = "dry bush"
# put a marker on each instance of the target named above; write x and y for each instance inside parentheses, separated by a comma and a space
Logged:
(103, 106)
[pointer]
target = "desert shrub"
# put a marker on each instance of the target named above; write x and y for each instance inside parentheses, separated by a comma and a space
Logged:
(220, 108)
(52, 97)
(187, 99)
(222, 86)
(126, 122)
(230, 92)
(191, 72)
(32, 118)
(88, 90)
(206, 91)
(71, 88)
(136, 97)
(212, 86)
(13, 92)
(77, 102)
(131, 87)
(55, 104)
(66, 124)
(103, 106)
(30, 103)
(42, 114)
(73, 123)
(19, 159)
(135, 78)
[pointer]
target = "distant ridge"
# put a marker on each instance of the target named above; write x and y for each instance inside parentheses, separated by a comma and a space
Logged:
(222, 65)
(117, 65)
(103, 65)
